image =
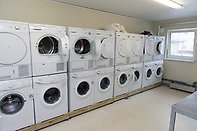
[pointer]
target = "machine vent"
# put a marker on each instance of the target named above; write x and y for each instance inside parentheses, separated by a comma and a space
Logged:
(60, 66)
(23, 70)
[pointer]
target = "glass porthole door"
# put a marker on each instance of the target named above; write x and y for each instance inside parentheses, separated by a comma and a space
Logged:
(104, 83)
(83, 88)
(11, 104)
(52, 95)
(48, 45)
(148, 74)
(123, 79)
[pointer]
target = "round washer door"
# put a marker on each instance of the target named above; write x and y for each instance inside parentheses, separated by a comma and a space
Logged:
(137, 50)
(52, 96)
(13, 49)
(159, 71)
(122, 80)
(104, 84)
(82, 46)
(123, 49)
(136, 76)
(11, 104)
(107, 50)
(149, 73)
(83, 89)
(48, 45)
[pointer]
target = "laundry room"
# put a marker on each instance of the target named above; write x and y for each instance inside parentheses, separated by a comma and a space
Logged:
(105, 65)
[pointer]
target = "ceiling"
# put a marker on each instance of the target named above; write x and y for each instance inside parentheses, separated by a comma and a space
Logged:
(140, 9)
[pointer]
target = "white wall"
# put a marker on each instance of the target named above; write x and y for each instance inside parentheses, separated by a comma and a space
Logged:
(47, 12)
(177, 70)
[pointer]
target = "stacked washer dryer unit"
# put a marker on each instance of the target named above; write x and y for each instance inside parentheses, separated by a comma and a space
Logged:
(153, 60)
(104, 66)
(159, 46)
(122, 63)
(148, 70)
(84, 49)
(137, 46)
(16, 96)
(50, 53)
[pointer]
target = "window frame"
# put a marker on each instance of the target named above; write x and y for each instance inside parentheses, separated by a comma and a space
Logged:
(168, 56)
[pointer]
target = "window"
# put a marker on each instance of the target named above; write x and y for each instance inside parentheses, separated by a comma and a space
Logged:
(181, 44)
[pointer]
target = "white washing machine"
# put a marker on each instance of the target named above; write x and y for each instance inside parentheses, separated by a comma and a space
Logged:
(84, 48)
(81, 89)
(158, 71)
(159, 46)
(16, 104)
(15, 59)
(149, 48)
(104, 84)
(137, 46)
(148, 74)
(106, 58)
(122, 79)
(136, 76)
(50, 49)
(123, 49)
(51, 97)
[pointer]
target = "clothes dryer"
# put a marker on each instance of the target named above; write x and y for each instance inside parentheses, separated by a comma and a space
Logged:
(50, 49)
(148, 74)
(106, 56)
(136, 76)
(149, 48)
(51, 98)
(159, 46)
(84, 49)
(137, 46)
(16, 104)
(81, 89)
(104, 84)
(123, 49)
(158, 72)
(122, 79)
(15, 59)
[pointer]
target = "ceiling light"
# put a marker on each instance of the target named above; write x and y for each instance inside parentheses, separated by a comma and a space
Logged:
(170, 3)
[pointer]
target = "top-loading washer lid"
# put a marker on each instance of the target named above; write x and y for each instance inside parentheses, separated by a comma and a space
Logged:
(13, 48)
(123, 48)
(11, 104)
(137, 50)
(107, 50)
(48, 45)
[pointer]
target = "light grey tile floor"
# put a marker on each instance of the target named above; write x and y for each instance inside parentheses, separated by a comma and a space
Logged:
(149, 111)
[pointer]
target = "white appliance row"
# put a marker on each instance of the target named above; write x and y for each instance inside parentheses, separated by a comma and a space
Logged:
(26, 101)
(32, 50)
(50, 96)
(35, 50)
(44, 51)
